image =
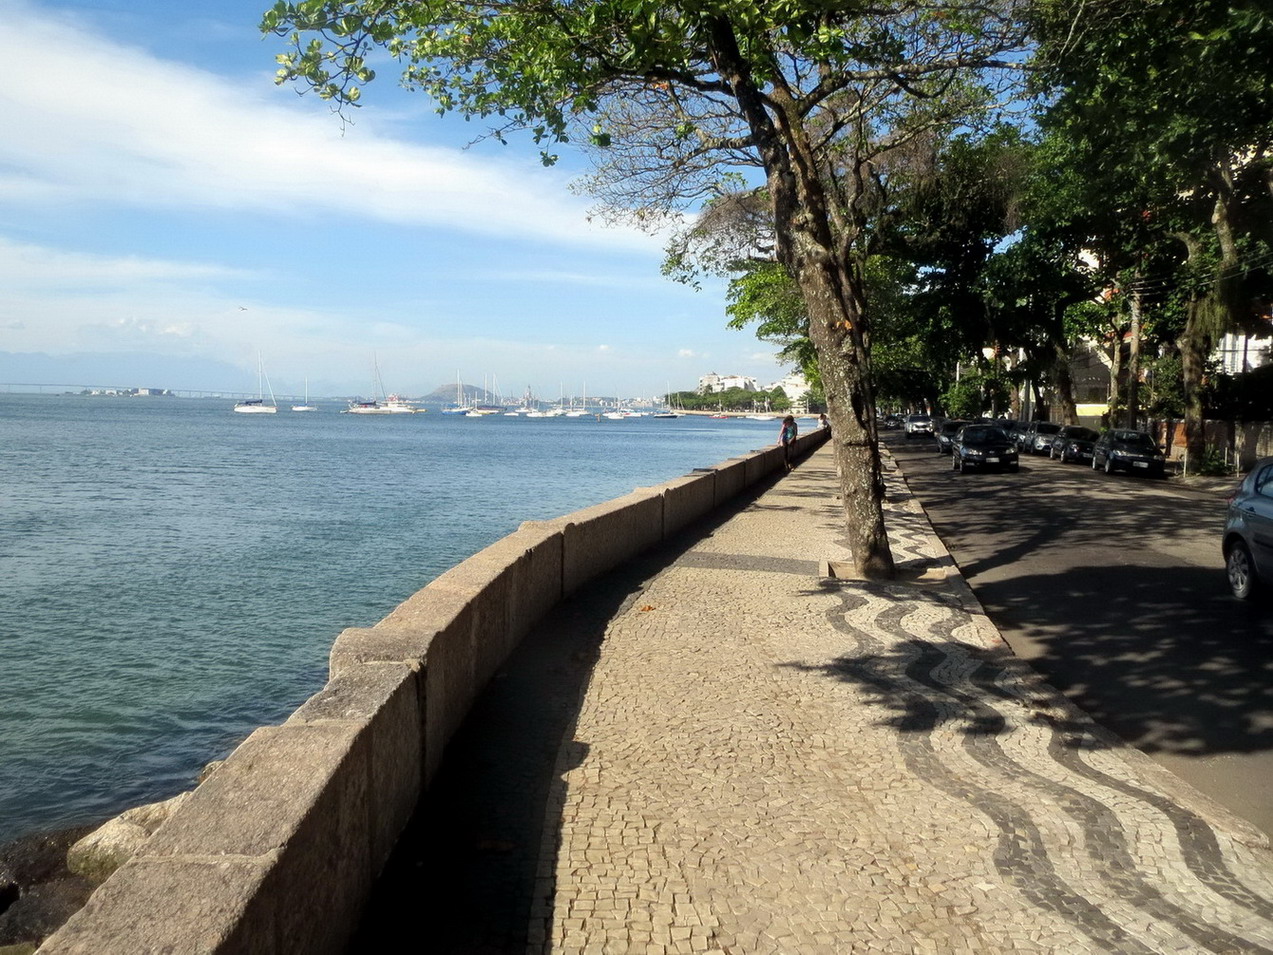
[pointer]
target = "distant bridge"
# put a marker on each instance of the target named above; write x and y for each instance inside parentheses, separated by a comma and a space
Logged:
(45, 387)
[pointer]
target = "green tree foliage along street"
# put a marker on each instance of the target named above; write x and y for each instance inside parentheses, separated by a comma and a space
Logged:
(1162, 113)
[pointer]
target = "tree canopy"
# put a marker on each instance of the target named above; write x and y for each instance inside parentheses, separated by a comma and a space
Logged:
(811, 100)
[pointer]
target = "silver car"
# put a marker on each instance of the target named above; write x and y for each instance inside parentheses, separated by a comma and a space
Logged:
(1248, 532)
(919, 425)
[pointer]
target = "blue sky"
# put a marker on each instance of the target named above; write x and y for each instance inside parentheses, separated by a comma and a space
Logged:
(161, 200)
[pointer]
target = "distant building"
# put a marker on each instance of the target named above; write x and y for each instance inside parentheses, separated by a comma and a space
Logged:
(795, 386)
(712, 383)
(1238, 353)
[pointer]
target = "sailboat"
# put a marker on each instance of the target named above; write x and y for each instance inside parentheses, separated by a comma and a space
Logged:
(306, 406)
(257, 405)
(462, 406)
(668, 411)
(391, 404)
(579, 412)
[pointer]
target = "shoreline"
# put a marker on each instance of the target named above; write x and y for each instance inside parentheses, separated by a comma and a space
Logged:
(38, 893)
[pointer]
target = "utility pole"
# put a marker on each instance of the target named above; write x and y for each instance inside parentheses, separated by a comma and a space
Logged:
(1133, 360)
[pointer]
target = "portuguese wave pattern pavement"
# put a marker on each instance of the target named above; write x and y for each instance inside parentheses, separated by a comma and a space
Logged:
(771, 758)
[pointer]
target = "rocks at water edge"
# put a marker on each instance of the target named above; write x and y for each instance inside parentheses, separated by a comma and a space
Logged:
(37, 891)
(104, 850)
(45, 879)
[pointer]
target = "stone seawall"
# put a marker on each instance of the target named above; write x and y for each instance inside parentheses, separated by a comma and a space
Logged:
(277, 850)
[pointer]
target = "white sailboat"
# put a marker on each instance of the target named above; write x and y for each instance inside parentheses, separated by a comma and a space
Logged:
(257, 405)
(579, 412)
(306, 406)
(462, 407)
(390, 404)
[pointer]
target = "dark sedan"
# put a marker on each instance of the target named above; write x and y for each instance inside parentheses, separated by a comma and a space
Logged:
(983, 447)
(1073, 443)
(945, 434)
(1132, 451)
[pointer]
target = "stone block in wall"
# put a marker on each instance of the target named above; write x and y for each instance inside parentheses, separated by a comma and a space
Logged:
(687, 499)
(597, 539)
(539, 580)
(760, 464)
(293, 799)
(384, 703)
(174, 905)
(486, 584)
(355, 646)
(731, 479)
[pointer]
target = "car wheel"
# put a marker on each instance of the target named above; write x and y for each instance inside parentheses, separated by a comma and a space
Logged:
(1109, 465)
(1093, 462)
(954, 460)
(1014, 468)
(1241, 571)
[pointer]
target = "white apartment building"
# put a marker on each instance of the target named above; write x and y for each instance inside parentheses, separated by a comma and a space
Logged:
(712, 383)
(795, 386)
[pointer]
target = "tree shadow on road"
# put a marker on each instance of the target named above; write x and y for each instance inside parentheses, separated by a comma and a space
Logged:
(1163, 656)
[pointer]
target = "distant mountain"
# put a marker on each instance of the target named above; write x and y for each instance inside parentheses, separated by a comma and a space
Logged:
(445, 394)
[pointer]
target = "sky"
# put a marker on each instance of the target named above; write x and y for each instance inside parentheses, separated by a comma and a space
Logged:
(169, 215)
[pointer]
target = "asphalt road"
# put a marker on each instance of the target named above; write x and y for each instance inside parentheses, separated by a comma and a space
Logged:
(1113, 587)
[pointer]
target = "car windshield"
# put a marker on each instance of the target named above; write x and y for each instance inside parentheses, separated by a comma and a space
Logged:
(1135, 440)
(983, 435)
(1080, 434)
(950, 427)
(1045, 427)
(917, 417)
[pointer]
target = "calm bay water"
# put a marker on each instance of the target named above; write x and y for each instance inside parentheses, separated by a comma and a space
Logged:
(172, 575)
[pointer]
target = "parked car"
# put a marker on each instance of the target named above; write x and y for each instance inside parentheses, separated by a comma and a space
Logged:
(1132, 451)
(1015, 429)
(945, 434)
(1073, 443)
(892, 422)
(918, 425)
(1248, 533)
(983, 447)
(1038, 437)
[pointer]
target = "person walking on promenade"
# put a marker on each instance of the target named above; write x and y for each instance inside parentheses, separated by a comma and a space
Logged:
(823, 422)
(787, 438)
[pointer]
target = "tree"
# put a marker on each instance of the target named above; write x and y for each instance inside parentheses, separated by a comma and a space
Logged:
(815, 97)
(1165, 106)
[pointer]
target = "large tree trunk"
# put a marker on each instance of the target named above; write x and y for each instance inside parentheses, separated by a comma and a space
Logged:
(1064, 386)
(846, 379)
(818, 255)
(1193, 357)
(1115, 377)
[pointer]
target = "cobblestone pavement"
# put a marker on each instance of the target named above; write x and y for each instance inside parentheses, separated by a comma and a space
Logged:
(768, 758)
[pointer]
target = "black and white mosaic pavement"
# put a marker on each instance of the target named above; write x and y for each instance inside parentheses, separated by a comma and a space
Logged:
(770, 759)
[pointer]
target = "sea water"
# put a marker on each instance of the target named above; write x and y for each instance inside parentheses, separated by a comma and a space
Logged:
(172, 574)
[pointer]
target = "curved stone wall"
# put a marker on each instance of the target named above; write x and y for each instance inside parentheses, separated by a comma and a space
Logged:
(278, 849)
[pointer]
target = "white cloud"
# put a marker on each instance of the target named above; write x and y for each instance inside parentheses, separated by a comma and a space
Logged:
(688, 353)
(104, 123)
(31, 267)
(644, 279)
